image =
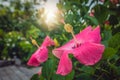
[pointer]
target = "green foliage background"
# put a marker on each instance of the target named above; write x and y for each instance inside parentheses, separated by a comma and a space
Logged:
(17, 24)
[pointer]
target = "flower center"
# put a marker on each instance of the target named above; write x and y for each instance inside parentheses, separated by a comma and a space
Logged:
(69, 29)
(76, 45)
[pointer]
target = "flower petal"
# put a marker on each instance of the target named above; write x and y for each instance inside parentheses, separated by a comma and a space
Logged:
(33, 61)
(88, 53)
(41, 55)
(94, 36)
(65, 65)
(84, 32)
(58, 52)
(48, 41)
(89, 35)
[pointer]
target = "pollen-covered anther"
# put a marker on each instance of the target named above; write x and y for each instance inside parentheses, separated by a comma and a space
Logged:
(34, 42)
(68, 28)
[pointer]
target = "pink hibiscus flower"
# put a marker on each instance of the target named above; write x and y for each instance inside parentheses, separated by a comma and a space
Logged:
(88, 50)
(41, 55)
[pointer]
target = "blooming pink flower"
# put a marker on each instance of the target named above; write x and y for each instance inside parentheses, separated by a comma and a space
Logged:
(88, 50)
(41, 55)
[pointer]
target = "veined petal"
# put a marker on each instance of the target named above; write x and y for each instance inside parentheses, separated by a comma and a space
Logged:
(84, 32)
(88, 53)
(94, 36)
(89, 35)
(41, 55)
(58, 52)
(65, 65)
(33, 61)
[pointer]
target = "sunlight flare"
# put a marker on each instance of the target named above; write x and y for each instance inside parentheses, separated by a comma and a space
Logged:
(50, 17)
(50, 12)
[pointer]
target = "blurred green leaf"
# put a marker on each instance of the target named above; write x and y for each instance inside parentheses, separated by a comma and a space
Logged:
(114, 42)
(48, 69)
(58, 77)
(101, 13)
(92, 19)
(84, 76)
(25, 46)
(35, 77)
(5, 53)
(109, 52)
(1, 33)
(70, 76)
(107, 34)
(34, 32)
(88, 69)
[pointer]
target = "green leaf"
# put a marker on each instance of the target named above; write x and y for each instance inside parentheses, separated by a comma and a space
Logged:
(92, 19)
(107, 34)
(84, 76)
(118, 70)
(34, 32)
(70, 76)
(48, 69)
(35, 77)
(101, 13)
(42, 78)
(105, 43)
(58, 77)
(88, 69)
(114, 42)
(1, 33)
(109, 52)
(69, 18)
(25, 46)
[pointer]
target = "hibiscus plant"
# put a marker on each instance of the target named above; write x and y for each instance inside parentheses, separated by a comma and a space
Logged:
(85, 52)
